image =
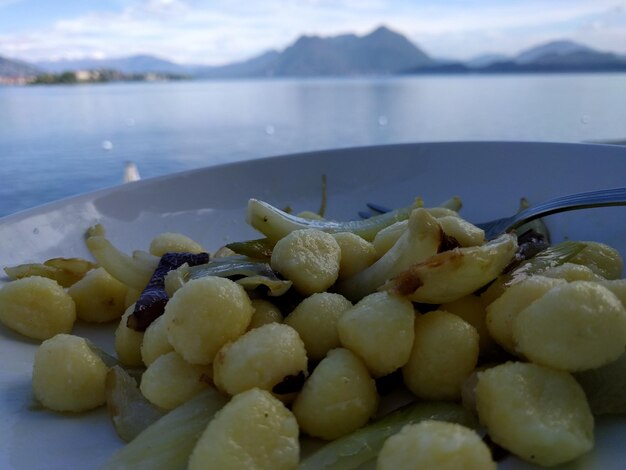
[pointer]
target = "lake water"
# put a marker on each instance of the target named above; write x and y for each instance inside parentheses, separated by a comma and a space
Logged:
(57, 141)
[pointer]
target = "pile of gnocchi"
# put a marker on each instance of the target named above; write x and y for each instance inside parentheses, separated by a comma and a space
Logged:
(419, 295)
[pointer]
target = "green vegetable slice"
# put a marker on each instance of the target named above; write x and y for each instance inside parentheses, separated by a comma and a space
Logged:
(275, 224)
(129, 410)
(250, 273)
(261, 248)
(168, 443)
(552, 256)
(363, 445)
(66, 271)
(112, 361)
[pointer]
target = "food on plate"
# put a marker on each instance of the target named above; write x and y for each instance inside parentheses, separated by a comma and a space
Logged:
(321, 330)
(66, 271)
(435, 444)
(271, 357)
(444, 354)
(379, 329)
(168, 442)
(421, 239)
(309, 258)
(539, 413)
(501, 313)
(98, 296)
(315, 319)
(575, 326)
(170, 381)
(37, 307)
(264, 312)
(204, 315)
(68, 375)
(253, 430)
(169, 242)
(338, 398)
(154, 342)
(128, 342)
(356, 254)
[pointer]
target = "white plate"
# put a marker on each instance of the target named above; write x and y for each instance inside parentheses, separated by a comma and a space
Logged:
(209, 205)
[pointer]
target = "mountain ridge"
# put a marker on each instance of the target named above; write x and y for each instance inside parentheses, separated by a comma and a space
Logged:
(380, 52)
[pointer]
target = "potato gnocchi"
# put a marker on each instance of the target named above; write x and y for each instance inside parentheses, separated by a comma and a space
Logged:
(401, 299)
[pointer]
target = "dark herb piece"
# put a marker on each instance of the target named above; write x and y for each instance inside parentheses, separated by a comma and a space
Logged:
(152, 302)
(529, 244)
(290, 384)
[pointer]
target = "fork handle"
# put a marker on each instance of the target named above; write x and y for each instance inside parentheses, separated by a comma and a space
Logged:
(600, 198)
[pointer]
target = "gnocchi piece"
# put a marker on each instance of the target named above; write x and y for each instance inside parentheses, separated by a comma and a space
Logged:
(380, 330)
(444, 354)
(465, 233)
(170, 381)
(173, 242)
(338, 398)
(576, 326)
(68, 375)
(155, 343)
(128, 341)
(99, 297)
(618, 287)
(262, 358)
(205, 314)
(264, 312)
(471, 309)
(254, 431)
(356, 254)
(501, 312)
(36, 307)
(572, 272)
(602, 259)
(388, 236)
(309, 258)
(435, 444)
(538, 413)
(315, 319)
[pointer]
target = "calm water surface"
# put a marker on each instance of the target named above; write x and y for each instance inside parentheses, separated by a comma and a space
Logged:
(57, 141)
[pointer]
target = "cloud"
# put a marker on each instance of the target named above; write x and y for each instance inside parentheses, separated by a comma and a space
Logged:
(220, 31)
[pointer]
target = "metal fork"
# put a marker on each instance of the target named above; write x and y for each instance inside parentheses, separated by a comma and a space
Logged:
(586, 200)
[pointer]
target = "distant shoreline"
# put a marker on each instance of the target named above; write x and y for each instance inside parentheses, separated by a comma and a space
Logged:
(63, 79)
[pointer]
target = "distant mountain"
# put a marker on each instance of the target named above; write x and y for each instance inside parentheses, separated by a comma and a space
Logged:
(138, 64)
(381, 52)
(561, 48)
(17, 68)
(260, 66)
(560, 56)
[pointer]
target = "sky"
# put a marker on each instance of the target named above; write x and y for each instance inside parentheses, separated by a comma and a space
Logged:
(215, 32)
